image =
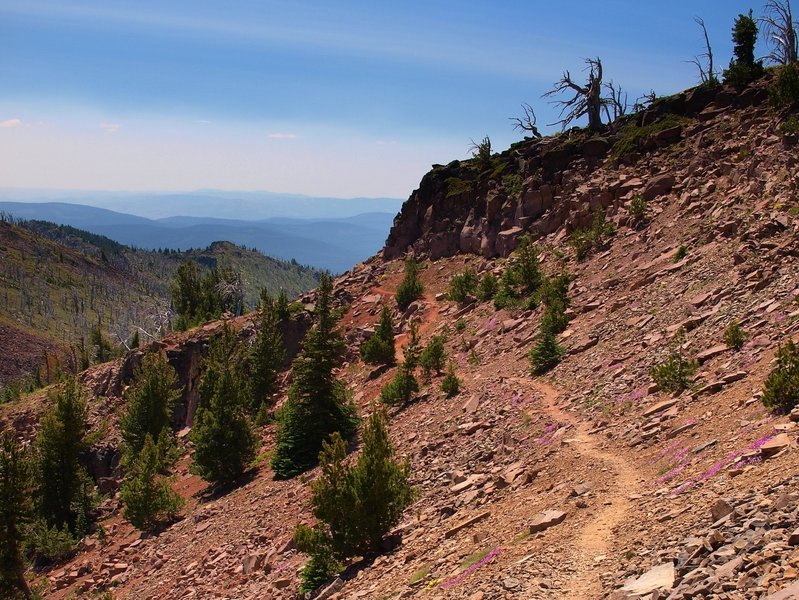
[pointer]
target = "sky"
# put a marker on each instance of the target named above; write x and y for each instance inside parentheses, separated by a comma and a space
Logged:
(337, 97)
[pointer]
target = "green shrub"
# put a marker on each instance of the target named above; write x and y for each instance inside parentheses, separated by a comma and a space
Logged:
(638, 209)
(460, 325)
(433, 356)
(734, 336)
(675, 372)
(410, 288)
(487, 287)
(631, 136)
(790, 126)
(451, 385)
(784, 91)
(781, 389)
(223, 438)
(148, 497)
(401, 389)
(512, 184)
(457, 186)
(545, 354)
(379, 349)
(587, 241)
(49, 544)
(682, 252)
(481, 153)
(462, 285)
(355, 505)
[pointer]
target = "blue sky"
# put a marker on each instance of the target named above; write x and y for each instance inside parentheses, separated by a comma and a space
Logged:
(338, 98)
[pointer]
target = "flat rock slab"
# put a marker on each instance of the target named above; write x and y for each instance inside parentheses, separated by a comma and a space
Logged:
(546, 519)
(660, 577)
(660, 407)
(789, 593)
(467, 523)
(775, 445)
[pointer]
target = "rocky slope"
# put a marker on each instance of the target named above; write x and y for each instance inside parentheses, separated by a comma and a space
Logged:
(586, 483)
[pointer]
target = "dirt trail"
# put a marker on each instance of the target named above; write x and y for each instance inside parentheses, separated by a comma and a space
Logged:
(595, 538)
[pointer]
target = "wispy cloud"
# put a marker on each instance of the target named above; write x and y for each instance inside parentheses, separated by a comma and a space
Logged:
(277, 135)
(9, 123)
(110, 127)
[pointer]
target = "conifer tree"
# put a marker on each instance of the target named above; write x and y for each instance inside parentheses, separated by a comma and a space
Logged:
(268, 352)
(379, 349)
(743, 67)
(150, 403)
(404, 385)
(223, 438)
(148, 496)
(410, 288)
(16, 512)
(317, 404)
(64, 488)
(356, 505)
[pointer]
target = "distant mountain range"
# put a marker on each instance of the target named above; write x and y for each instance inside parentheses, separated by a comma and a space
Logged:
(326, 242)
(246, 206)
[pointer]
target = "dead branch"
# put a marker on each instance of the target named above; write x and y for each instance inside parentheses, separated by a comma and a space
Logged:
(707, 74)
(587, 100)
(527, 122)
(779, 30)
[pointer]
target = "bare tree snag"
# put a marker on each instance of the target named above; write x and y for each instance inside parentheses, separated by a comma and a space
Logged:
(587, 99)
(527, 122)
(779, 29)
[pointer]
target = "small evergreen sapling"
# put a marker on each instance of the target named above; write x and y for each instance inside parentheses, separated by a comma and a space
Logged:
(148, 496)
(781, 390)
(451, 385)
(675, 372)
(433, 357)
(410, 288)
(355, 505)
(379, 349)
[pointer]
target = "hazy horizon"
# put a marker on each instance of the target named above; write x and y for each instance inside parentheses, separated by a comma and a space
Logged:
(350, 99)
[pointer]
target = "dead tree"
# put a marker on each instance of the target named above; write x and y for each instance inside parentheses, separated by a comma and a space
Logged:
(587, 99)
(707, 74)
(527, 122)
(779, 29)
(645, 101)
(617, 100)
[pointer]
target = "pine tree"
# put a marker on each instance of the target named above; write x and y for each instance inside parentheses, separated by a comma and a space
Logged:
(451, 385)
(356, 505)
(546, 353)
(317, 404)
(266, 357)
(410, 288)
(743, 67)
(781, 389)
(403, 386)
(434, 356)
(148, 496)
(223, 438)
(150, 403)
(16, 512)
(64, 488)
(379, 349)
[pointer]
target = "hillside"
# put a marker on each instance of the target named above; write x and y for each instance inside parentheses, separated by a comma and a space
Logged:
(57, 282)
(587, 482)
